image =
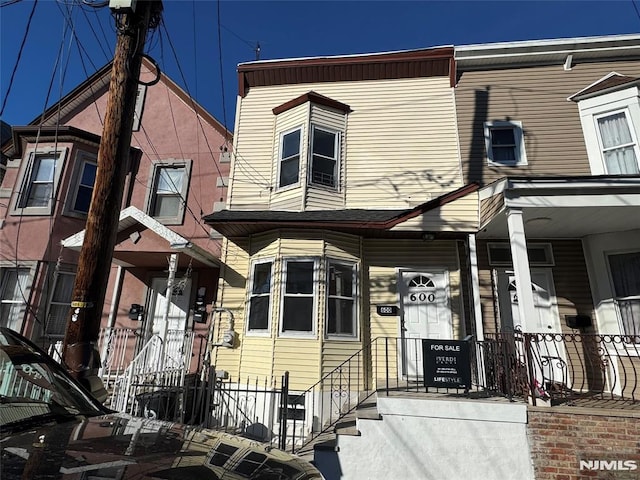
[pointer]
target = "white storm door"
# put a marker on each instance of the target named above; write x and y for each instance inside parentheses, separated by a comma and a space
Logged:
(425, 314)
(550, 359)
(178, 312)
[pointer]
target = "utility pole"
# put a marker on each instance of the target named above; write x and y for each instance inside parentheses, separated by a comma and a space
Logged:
(83, 324)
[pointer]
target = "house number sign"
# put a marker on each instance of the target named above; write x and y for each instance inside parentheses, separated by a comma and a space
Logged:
(387, 310)
(422, 297)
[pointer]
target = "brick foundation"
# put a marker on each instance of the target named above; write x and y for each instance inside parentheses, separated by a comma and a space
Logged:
(562, 436)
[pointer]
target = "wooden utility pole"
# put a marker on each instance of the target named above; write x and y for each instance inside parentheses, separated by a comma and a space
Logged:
(83, 323)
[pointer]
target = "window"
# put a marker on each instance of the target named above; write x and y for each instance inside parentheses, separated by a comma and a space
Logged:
(260, 298)
(137, 114)
(625, 277)
(13, 296)
(168, 196)
(540, 254)
(39, 183)
(289, 158)
(298, 296)
(84, 190)
(504, 143)
(324, 157)
(341, 299)
(619, 147)
(60, 304)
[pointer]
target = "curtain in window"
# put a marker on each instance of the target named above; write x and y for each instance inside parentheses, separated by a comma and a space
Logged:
(625, 273)
(14, 293)
(617, 142)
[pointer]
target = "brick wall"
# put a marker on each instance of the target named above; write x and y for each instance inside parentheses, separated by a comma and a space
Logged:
(562, 436)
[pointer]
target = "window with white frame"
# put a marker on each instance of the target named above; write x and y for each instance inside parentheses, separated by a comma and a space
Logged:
(169, 192)
(84, 186)
(341, 299)
(289, 158)
(625, 279)
(610, 119)
(260, 297)
(504, 142)
(298, 296)
(13, 296)
(39, 183)
(60, 304)
(324, 157)
(618, 143)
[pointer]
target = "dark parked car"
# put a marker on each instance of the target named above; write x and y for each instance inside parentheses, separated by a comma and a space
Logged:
(51, 428)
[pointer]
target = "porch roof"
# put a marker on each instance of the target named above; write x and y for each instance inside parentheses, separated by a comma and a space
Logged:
(562, 207)
(360, 221)
(132, 216)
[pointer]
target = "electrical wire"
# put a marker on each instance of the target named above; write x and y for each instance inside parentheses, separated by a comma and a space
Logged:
(15, 67)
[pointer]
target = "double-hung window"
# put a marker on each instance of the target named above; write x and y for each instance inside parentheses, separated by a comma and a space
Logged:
(505, 143)
(260, 297)
(618, 143)
(298, 302)
(84, 190)
(13, 296)
(168, 196)
(324, 157)
(625, 277)
(40, 183)
(60, 304)
(289, 162)
(341, 299)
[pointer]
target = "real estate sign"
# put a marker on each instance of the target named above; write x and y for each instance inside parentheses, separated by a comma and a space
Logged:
(447, 363)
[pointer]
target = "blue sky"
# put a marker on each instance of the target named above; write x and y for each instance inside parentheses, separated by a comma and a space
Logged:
(55, 60)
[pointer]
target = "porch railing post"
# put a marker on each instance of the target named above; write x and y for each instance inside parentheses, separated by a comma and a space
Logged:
(529, 359)
(283, 413)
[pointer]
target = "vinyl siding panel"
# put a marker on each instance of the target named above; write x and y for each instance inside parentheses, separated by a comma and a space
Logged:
(459, 215)
(490, 207)
(382, 260)
(301, 358)
(537, 97)
(400, 147)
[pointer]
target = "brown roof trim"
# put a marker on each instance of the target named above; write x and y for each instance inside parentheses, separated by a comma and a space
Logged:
(430, 62)
(612, 82)
(312, 97)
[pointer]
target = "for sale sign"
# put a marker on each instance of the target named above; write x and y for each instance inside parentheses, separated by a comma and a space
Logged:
(447, 363)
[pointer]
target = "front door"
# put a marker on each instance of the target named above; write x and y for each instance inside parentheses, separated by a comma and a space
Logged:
(176, 314)
(425, 314)
(549, 356)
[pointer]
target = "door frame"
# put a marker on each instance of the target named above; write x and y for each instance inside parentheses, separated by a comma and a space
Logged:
(401, 353)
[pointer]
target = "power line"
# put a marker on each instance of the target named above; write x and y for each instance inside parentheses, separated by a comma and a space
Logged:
(224, 108)
(15, 67)
(635, 7)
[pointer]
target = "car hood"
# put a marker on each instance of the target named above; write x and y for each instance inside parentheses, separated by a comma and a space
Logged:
(119, 446)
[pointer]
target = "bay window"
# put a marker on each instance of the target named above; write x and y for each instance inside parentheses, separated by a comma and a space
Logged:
(260, 297)
(625, 277)
(298, 296)
(341, 299)
(619, 147)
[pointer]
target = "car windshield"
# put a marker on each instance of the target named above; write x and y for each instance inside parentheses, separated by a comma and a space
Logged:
(33, 386)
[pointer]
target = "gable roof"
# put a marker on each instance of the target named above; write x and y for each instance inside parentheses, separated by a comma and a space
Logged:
(99, 82)
(610, 82)
(131, 216)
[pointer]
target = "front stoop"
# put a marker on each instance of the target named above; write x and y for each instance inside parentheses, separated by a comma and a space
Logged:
(419, 438)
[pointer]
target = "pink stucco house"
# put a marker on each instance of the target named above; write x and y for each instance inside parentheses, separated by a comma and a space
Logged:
(178, 171)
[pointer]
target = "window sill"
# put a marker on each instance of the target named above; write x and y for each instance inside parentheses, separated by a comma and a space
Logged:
(341, 338)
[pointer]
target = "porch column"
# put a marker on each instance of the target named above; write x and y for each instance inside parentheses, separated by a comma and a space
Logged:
(475, 287)
(518, 243)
